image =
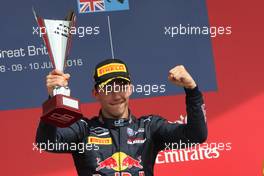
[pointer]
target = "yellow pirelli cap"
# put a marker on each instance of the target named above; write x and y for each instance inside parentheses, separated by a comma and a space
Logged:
(109, 70)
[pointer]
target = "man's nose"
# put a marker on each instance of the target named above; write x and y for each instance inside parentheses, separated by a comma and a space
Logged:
(116, 95)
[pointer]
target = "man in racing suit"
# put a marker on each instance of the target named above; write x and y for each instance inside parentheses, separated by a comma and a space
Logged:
(121, 143)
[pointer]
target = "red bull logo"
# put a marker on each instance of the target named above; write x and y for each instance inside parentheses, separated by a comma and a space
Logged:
(109, 163)
(131, 162)
(120, 161)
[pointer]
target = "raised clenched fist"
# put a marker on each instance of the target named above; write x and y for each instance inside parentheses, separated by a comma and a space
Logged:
(180, 77)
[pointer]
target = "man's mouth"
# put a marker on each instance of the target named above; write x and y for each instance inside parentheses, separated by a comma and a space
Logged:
(117, 103)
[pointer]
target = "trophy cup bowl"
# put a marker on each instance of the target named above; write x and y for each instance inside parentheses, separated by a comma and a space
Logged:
(60, 109)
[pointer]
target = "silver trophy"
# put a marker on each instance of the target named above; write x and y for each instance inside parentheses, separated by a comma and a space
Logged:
(61, 110)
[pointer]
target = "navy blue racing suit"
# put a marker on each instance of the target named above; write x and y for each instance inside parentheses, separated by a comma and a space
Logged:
(116, 147)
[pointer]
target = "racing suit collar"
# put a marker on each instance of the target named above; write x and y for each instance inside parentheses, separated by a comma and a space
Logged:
(114, 123)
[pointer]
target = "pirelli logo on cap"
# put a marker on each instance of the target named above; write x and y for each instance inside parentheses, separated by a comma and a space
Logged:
(99, 141)
(111, 68)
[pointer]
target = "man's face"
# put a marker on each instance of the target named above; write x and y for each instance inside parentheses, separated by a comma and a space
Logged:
(114, 98)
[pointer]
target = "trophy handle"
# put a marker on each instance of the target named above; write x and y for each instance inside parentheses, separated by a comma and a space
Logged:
(72, 18)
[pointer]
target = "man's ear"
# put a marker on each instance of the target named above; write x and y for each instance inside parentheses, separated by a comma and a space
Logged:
(130, 89)
(94, 93)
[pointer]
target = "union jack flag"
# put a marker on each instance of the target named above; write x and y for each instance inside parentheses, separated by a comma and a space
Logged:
(86, 6)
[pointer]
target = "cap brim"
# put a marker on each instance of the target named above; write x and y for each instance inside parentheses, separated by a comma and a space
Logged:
(111, 79)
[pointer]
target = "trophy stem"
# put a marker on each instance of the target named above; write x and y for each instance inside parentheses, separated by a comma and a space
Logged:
(61, 91)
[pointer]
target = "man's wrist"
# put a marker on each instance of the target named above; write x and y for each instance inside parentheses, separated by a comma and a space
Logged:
(191, 85)
(192, 91)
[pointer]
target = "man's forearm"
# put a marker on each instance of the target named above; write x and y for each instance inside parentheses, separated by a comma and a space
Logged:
(46, 132)
(196, 130)
(49, 134)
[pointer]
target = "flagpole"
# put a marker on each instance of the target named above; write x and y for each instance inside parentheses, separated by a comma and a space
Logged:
(110, 37)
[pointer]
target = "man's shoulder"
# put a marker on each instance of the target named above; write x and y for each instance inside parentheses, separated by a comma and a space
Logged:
(88, 121)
